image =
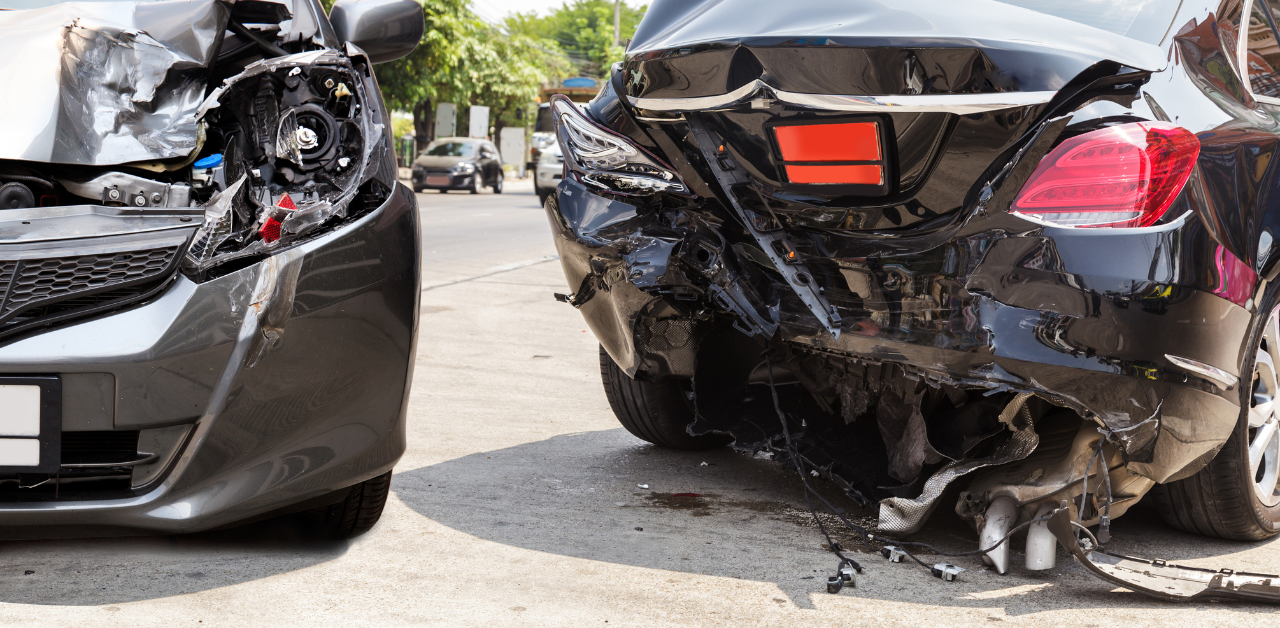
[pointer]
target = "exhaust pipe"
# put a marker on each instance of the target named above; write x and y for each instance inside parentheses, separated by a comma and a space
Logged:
(1001, 514)
(1042, 546)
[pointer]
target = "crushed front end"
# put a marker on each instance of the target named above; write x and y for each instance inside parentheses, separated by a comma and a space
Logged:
(866, 285)
(206, 265)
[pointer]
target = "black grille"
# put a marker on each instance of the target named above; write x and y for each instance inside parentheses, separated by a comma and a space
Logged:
(45, 279)
(39, 291)
(71, 483)
(95, 447)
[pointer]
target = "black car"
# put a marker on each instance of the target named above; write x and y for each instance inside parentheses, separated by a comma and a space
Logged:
(1018, 251)
(458, 163)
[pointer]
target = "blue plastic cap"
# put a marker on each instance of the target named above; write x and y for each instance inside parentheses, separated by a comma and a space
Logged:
(212, 161)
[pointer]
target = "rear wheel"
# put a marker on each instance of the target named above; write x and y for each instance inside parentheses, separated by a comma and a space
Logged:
(1236, 496)
(444, 191)
(657, 412)
(362, 508)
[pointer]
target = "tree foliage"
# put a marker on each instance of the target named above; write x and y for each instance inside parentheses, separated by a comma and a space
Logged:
(465, 61)
(582, 30)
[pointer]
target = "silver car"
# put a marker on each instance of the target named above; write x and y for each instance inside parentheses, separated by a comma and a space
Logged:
(208, 271)
(549, 172)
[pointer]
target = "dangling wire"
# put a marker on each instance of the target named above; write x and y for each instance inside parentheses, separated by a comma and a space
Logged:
(865, 537)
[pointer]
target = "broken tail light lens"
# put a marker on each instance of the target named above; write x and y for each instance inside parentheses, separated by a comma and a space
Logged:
(1120, 176)
(607, 160)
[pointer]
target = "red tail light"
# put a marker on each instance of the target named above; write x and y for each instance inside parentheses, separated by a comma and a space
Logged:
(1121, 176)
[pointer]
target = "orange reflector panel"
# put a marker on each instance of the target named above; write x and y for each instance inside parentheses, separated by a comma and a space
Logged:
(860, 175)
(852, 141)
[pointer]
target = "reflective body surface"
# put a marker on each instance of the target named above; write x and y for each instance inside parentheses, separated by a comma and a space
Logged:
(906, 325)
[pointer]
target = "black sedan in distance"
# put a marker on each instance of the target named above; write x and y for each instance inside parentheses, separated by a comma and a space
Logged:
(1019, 253)
(458, 163)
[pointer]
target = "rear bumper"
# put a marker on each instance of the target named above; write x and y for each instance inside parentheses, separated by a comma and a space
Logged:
(274, 423)
(1084, 317)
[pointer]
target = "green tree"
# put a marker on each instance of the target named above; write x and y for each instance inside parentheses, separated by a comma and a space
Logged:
(583, 30)
(506, 71)
(437, 70)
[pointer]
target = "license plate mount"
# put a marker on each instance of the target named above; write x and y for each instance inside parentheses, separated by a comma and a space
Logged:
(439, 180)
(30, 424)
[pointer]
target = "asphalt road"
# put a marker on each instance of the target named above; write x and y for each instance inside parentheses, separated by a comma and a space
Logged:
(519, 503)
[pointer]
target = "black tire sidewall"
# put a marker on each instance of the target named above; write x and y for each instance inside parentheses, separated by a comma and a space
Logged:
(1267, 518)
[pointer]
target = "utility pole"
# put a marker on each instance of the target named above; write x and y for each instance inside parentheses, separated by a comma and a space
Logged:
(617, 22)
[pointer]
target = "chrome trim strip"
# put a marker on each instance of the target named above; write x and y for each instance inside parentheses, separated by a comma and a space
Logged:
(1214, 374)
(961, 104)
(127, 463)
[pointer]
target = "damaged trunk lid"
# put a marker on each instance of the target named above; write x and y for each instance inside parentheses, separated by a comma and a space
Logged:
(881, 121)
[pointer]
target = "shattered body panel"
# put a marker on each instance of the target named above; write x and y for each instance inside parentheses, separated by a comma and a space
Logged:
(919, 331)
(107, 83)
(204, 244)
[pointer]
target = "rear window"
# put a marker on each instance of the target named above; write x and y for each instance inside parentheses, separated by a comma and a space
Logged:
(1144, 20)
(543, 124)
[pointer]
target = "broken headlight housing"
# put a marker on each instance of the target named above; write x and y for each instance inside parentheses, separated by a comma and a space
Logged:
(296, 136)
(606, 160)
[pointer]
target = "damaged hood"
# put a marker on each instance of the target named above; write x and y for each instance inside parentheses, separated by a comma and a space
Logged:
(105, 83)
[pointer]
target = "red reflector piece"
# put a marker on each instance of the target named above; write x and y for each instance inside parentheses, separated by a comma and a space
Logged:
(851, 141)
(286, 202)
(270, 230)
(1121, 176)
(1235, 278)
(859, 175)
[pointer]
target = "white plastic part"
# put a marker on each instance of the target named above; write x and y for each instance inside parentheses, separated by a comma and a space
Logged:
(1001, 515)
(1042, 547)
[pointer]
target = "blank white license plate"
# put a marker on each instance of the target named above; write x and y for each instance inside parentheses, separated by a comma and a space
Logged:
(19, 452)
(439, 180)
(19, 411)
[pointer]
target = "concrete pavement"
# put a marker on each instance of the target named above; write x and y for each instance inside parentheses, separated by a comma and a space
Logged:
(519, 503)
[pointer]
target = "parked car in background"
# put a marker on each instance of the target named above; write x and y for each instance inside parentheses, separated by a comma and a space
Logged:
(549, 172)
(543, 135)
(1019, 253)
(458, 163)
(209, 274)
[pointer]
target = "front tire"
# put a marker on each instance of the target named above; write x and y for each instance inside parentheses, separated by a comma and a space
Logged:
(476, 183)
(1236, 496)
(656, 412)
(497, 186)
(359, 511)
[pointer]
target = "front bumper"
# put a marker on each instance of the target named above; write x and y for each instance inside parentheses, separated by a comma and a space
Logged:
(456, 181)
(294, 373)
(548, 176)
(1083, 317)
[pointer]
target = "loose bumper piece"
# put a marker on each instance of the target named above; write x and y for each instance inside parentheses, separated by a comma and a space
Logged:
(1161, 580)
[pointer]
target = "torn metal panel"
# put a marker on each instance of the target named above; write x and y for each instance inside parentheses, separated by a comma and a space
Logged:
(900, 515)
(106, 83)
